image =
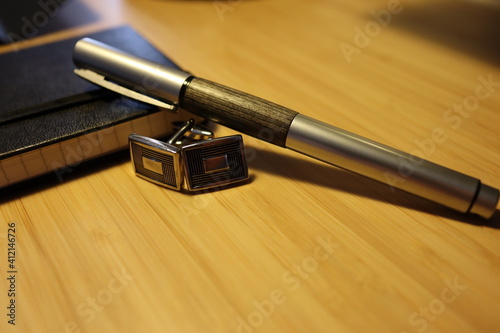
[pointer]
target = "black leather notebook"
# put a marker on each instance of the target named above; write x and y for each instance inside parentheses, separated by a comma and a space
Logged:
(51, 120)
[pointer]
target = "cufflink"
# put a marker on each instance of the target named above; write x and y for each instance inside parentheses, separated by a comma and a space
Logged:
(191, 156)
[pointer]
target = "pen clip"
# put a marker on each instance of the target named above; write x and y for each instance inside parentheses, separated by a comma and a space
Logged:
(100, 80)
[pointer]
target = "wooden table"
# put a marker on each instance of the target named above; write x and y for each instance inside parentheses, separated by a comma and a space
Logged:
(303, 246)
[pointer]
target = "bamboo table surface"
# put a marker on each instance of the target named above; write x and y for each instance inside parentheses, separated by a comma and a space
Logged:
(302, 246)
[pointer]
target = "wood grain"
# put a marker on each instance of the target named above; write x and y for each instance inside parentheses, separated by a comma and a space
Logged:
(240, 111)
(302, 246)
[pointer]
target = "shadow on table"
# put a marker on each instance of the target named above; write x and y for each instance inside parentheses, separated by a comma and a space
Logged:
(56, 178)
(298, 168)
(469, 26)
(314, 172)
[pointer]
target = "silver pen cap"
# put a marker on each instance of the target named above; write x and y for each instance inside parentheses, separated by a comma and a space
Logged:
(137, 74)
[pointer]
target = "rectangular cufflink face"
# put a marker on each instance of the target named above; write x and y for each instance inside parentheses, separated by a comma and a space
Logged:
(156, 161)
(215, 162)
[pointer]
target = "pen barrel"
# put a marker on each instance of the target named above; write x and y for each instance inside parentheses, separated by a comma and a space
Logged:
(391, 166)
(238, 110)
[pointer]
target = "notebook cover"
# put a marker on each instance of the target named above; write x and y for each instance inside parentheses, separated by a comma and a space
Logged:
(51, 119)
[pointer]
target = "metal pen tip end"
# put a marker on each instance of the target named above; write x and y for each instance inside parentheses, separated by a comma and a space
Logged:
(485, 204)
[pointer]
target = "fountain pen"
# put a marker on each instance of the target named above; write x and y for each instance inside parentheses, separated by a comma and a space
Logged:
(171, 88)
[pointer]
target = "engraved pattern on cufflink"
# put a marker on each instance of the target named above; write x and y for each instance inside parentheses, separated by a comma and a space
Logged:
(203, 164)
(214, 162)
(156, 161)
